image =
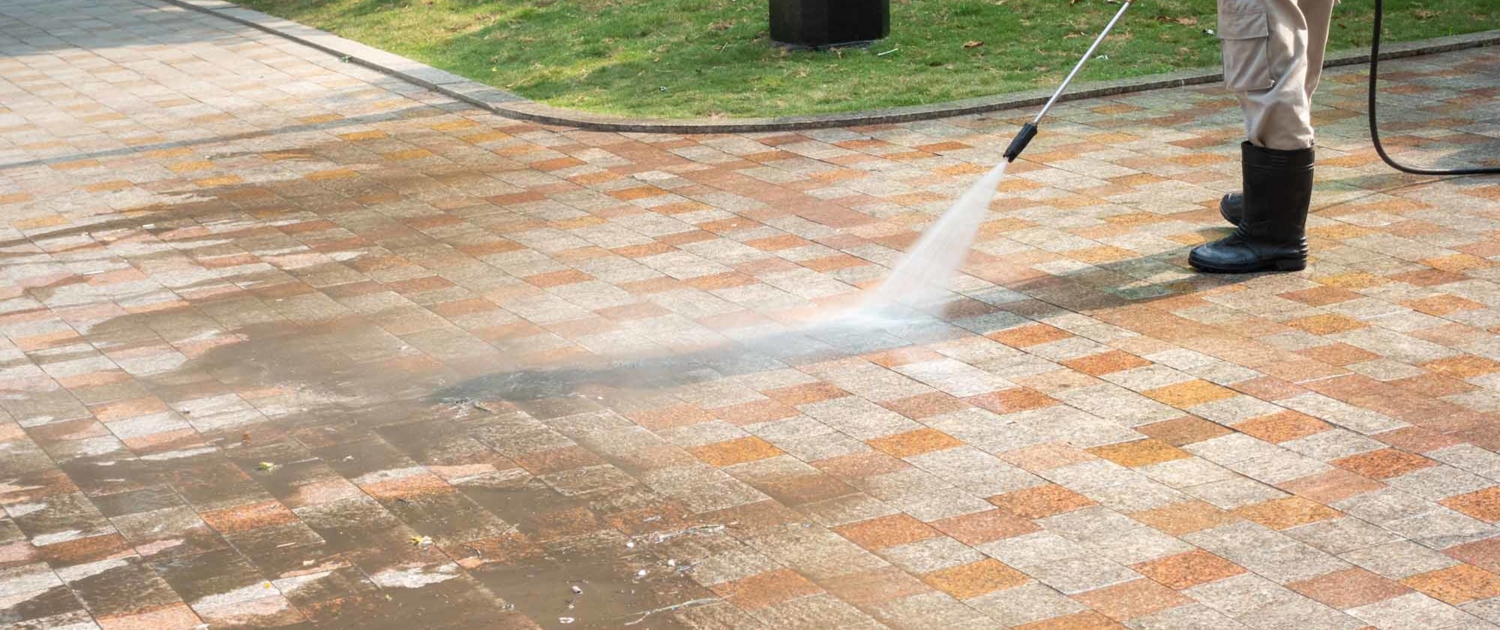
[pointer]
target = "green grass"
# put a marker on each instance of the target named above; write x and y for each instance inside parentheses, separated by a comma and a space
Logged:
(690, 58)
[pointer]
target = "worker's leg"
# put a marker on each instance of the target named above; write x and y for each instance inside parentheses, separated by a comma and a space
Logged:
(1319, 14)
(1268, 63)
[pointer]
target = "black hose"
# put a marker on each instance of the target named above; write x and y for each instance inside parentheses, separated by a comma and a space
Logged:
(1374, 128)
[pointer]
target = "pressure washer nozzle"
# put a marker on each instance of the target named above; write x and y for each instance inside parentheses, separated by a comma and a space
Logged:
(1018, 144)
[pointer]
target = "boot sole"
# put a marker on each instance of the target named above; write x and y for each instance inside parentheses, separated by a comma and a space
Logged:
(1282, 264)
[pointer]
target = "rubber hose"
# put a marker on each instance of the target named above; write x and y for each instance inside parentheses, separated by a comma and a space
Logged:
(1375, 128)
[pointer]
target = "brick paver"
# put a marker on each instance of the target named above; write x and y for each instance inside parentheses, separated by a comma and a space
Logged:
(287, 343)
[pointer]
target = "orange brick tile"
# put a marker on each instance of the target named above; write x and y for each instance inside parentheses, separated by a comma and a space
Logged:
(557, 164)
(406, 488)
(1136, 598)
(1087, 620)
(867, 589)
(1287, 513)
(1106, 363)
(721, 281)
(1140, 453)
(755, 412)
(1482, 504)
(1183, 431)
(917, 442)
(975, 579)
(1455, 585)
(1353, 280)
(886, 531)
(1463, 366)
(983, 527)
(1443, 305)
(358, 136)
(1185, 518)
(85, 550)
(1339, 354)
(670, 417)
(767, 589)
(1417, 439)
(1029, 335)
(1012, 400)
(902, 356)
(805, 394)
(861, 465)
(170, 617)
(1457, 263)
(1282, 427)
(1349, 588)
(1191, 393)
(1041, 501)
(1384, 463)
(1321, 296)
(739, 451)
(1046, 456)
(338, 173)
(557, 278)
(777, 243)
(639, 192)
(1189, 569)
(243, 518)
(557, 460)
(1332, 486)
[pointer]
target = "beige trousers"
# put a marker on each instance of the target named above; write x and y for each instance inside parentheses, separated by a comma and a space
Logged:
(1273, 57)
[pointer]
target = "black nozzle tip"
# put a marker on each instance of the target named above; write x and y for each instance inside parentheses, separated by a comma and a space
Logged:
(1023, 138)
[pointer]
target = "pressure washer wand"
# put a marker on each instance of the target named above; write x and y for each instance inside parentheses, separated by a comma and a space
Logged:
(1028, 131)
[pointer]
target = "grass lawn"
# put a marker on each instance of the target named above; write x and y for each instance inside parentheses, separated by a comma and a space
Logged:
(687, 58)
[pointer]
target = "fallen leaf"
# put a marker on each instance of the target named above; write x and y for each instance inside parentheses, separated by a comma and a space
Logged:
(973, 44)
(1188, 21)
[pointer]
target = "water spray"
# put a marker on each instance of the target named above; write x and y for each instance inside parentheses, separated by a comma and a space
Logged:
(1028, 131)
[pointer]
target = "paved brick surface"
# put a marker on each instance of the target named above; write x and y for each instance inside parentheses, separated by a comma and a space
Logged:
(289, 344)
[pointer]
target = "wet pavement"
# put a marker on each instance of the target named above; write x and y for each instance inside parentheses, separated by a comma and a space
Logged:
(287, 343)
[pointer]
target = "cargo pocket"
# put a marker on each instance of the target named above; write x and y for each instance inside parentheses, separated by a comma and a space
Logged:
(1244, 38)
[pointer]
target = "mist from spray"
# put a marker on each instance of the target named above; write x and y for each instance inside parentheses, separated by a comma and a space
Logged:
(921, 277)
(883, 320)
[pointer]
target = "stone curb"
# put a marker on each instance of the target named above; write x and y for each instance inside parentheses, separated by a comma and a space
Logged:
(513, 106)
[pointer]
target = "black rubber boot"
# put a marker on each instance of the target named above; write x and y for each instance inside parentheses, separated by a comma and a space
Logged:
(1232, 207)
(1271, 233)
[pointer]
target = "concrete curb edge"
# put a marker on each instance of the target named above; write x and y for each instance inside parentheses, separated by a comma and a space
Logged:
(513, 106)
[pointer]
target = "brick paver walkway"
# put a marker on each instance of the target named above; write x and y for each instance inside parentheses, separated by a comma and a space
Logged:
(289, 344)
